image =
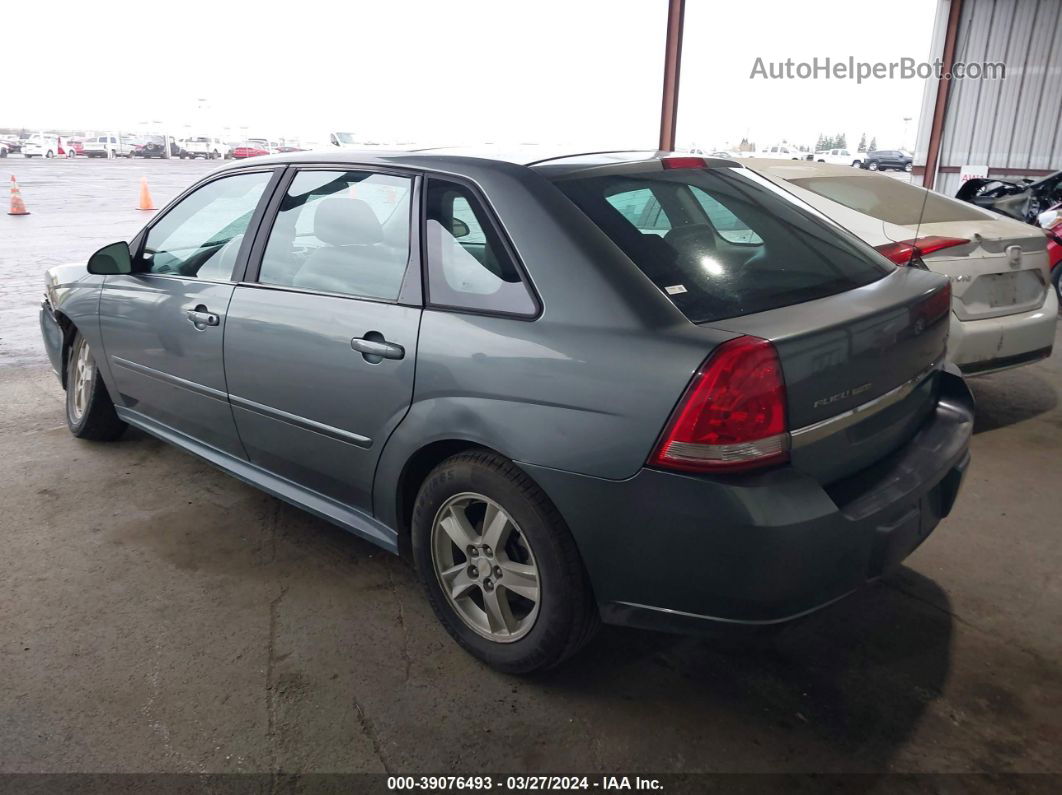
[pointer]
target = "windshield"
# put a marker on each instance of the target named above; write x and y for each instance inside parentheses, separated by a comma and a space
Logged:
(721, 243)
(890, 200)
(344, 138)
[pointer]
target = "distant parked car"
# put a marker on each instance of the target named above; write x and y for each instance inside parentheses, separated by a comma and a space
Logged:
(203, 146)
(153, 146)
(109, 146)
(249, 149)
(1003, 306)
(886, 159)
(344, 140)
(781, 152)
(839, 157)
(45, 145)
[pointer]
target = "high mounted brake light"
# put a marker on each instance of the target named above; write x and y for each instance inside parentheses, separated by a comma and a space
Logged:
(732, 416)
(683, 162)
(906, 250)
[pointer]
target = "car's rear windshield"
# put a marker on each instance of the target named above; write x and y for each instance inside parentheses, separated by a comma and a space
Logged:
(724, 242)
(890, 200)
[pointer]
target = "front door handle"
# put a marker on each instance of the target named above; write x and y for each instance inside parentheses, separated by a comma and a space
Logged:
(201, 317)
(375, 348)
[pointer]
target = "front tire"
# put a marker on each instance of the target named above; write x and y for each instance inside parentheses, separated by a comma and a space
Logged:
(499, 565)
(89, 410)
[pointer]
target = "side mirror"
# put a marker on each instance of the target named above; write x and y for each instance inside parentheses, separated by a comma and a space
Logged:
(111, 260)
(458, 228)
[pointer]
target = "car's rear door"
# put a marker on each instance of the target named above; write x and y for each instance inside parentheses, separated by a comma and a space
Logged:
(321, 341)
(163, 325)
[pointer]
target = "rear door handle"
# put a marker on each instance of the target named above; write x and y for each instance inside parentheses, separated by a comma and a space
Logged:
(201, 317)
(374, 348)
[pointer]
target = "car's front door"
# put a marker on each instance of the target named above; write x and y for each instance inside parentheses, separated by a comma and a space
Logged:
(163, 325)
(321, 342)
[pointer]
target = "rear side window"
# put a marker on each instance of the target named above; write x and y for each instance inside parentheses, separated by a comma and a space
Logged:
(343, 232)
(469, 266)
(735, 244)
(890, 200)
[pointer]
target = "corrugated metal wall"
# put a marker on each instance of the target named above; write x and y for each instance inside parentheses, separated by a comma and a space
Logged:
(1015, 123)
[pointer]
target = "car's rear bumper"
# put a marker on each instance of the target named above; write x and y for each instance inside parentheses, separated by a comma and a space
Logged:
(685, 553)
(998, 343)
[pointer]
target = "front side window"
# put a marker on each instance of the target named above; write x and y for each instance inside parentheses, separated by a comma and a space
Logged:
(201, 237)
(468, 265)
(343, 232)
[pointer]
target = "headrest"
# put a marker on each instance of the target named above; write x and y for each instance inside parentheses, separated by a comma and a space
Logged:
(342, 221)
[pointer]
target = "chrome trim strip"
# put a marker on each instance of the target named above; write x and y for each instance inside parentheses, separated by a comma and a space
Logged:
(301, 422)
(823, 428)
(173, 380)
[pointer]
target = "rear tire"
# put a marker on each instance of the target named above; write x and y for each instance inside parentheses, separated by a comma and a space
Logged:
(1057, 279)
(872, 165)
(90, 412)
(549, 612)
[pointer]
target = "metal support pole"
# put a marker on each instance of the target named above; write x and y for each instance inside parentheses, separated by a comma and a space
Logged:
(676, 10)
(936, 130)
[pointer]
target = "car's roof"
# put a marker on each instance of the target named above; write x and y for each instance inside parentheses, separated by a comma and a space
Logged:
(554, 160)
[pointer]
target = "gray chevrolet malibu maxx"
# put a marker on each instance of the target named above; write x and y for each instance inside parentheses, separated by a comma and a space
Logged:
(633, 387)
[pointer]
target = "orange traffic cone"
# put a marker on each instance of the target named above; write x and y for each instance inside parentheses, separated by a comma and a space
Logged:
(17, 207)
(146, 202)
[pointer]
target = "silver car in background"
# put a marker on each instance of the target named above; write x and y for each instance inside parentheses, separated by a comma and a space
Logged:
(1004, 309)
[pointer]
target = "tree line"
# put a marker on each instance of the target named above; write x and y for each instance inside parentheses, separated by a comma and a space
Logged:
(840, 141)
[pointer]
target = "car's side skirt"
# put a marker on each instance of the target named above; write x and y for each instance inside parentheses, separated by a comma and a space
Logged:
(340, 514)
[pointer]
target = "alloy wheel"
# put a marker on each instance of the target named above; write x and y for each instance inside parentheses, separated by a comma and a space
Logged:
(84, 371)
(485, 567)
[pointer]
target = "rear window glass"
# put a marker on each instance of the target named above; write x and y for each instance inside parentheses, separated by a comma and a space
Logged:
(890, 200)
(722, 243)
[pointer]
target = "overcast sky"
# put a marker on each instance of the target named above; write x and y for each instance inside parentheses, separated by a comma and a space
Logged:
(457, 71)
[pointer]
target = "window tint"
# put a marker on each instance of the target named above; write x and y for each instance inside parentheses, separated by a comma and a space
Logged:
(890, 200)
(790, 255)
(728, 225)
(468, 266)
(201, 236)
(642, 209)
(341, 232)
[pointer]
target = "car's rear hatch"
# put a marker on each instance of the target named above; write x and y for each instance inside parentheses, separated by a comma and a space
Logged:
(858, 340)
(860, 368)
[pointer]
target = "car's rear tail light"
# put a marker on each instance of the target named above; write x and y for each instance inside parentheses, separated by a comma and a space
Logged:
(936, 306)
(732, 416)
(684, 162)
(906, 250)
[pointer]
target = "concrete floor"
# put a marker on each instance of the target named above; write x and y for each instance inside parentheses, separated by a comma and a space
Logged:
(159, 616)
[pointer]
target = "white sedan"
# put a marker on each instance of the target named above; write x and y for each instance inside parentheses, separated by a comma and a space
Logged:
(46, 145)
(1003, 308)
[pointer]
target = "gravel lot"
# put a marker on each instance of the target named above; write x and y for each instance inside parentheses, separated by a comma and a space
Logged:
(159, 616)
